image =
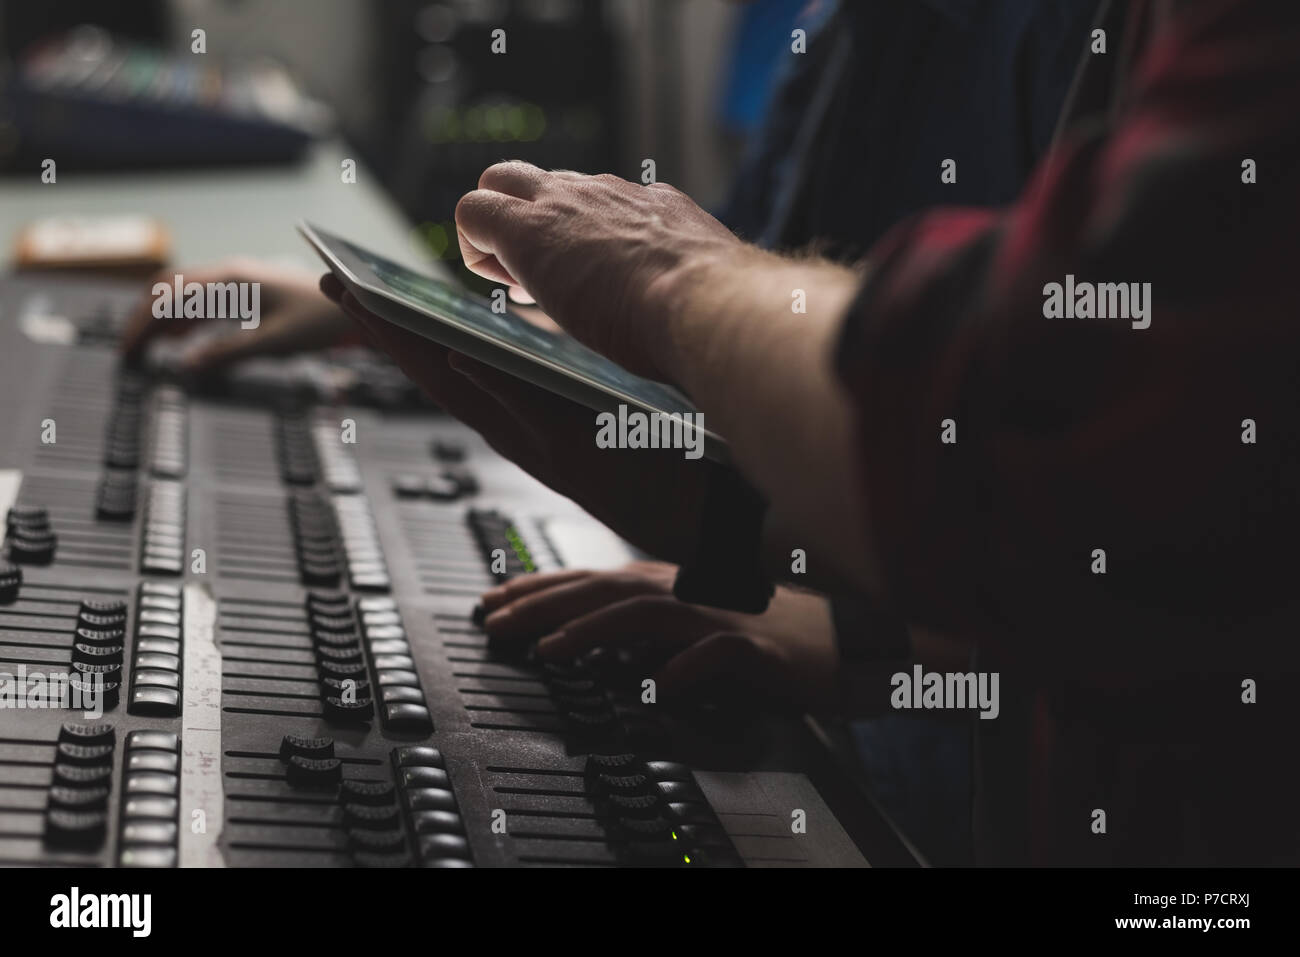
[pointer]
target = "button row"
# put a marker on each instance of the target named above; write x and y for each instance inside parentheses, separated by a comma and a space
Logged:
(122, 438)
(157, 655)
(76, 811)
(29, 535)
(98, 649)
(151, 781)
(346, 696)
(367, 570)
(656, 813)
(402, 704)
(315, 538)
(170, 420)
(163, 537)
(431, 808)
(338, 462)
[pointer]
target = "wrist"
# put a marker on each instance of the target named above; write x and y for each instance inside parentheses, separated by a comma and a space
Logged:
(696, 304)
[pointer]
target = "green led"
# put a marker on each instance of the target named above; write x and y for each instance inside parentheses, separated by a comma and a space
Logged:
(520, 549)
(686, 858)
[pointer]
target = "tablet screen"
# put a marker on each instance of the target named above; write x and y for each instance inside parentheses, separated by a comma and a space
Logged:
(475, 314)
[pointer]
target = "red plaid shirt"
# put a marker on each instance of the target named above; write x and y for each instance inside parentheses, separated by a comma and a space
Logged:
(1082, 434)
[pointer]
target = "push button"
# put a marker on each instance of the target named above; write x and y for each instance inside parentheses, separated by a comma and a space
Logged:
(430, 799)
(404, 716)
(425, 778)
(149, 832)
(437, 822)
(147, 856)
(164, 702)
(145, 806)
(162, 785)
(443, 846)
(155, 740)
(417, 757)
(402, 695)
(161, 761)
(159, 646)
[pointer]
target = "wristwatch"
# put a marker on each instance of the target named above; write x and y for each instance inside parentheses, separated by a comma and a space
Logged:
(727, 569)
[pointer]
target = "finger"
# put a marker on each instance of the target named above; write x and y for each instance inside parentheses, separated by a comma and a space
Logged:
(543, 612)
(484, 218)
(426, 364)
(514, 178)
(333, 287)
(522, 585)
(662, 620)
(724, 661)
(517, 294)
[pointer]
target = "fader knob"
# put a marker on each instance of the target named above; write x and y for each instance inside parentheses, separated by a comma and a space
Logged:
(11, 580)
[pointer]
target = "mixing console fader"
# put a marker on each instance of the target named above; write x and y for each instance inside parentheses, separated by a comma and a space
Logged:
(238, 633)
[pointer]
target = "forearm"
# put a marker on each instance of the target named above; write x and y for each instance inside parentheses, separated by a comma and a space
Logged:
(762, 375)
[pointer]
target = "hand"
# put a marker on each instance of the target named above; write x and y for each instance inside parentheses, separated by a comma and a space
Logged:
(786, 655)
(652, 497)
(598, 254)
(294, 317)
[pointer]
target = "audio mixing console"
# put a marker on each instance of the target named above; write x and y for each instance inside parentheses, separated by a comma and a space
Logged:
(273, 601)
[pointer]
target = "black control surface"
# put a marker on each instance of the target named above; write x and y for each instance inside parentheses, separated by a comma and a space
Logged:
(276, 603)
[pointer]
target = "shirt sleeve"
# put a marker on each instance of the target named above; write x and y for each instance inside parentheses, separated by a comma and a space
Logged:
(1031, 479)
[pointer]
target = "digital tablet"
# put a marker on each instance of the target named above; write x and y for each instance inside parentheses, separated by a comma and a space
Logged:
(467, 323)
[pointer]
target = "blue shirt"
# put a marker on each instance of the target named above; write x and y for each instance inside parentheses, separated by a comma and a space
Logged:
(888, 90)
